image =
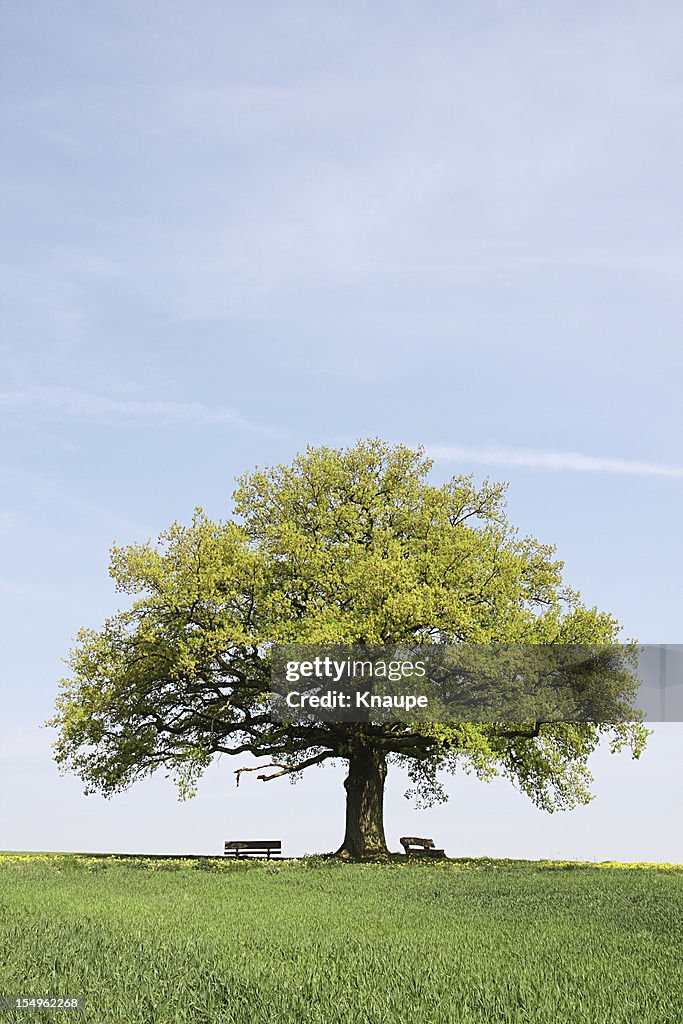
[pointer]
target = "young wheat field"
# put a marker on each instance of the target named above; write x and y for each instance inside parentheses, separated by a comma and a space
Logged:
(158, 941)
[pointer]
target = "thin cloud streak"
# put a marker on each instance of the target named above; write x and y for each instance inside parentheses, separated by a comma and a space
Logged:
(537, 458)
(83, 405)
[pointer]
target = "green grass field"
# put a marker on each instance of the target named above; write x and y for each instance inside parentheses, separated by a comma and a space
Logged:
(317, 942)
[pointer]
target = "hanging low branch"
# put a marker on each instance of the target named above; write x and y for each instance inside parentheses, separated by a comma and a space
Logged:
(286, 769)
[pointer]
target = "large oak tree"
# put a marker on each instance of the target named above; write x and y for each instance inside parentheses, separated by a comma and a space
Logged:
(349, 546)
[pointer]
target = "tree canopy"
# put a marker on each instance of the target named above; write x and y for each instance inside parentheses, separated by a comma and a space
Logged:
(350, 546)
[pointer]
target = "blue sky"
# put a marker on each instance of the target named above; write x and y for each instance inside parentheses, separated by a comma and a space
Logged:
(234, 229)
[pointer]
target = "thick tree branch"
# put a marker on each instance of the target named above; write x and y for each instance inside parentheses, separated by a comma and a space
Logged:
(287, 769)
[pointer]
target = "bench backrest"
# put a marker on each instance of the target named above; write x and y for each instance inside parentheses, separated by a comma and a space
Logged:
(253, 844)
(426, 844)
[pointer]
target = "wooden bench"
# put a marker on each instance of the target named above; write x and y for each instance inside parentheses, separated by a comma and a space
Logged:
(239, 848)
(425, 847)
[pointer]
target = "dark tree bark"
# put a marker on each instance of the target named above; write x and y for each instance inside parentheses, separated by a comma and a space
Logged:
(364, 785)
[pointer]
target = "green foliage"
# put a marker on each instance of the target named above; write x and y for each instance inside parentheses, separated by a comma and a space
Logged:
(480, 942)
(350, 546)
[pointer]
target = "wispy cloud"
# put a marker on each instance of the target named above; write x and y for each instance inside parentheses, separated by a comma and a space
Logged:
(84, 405)
(539, 458)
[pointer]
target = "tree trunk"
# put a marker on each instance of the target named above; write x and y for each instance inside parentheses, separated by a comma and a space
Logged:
(365, 805)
